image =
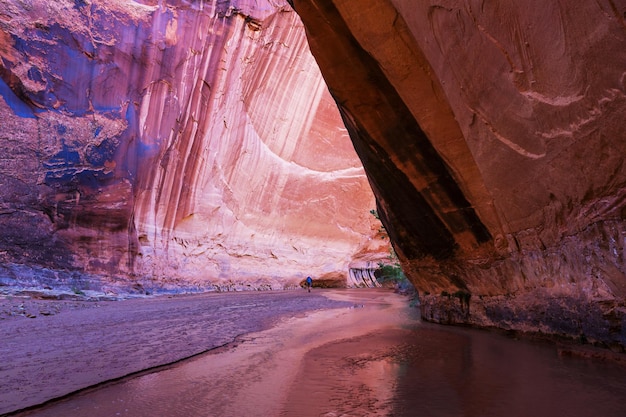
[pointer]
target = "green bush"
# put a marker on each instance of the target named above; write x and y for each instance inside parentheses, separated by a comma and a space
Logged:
(389, 273)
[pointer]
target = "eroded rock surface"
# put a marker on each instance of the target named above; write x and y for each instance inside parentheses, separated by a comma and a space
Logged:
(186, 145)
(493, 136)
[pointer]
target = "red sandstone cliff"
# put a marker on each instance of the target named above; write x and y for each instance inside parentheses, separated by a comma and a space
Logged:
(176, 144)
(493, 134)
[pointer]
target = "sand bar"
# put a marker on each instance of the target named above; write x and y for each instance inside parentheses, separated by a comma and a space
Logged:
(54, 348)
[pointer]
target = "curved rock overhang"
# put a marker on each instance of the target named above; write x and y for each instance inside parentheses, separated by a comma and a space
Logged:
(493, 138)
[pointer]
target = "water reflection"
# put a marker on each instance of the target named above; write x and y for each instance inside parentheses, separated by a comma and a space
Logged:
(465, 373)
(448, 372)
(371, 361)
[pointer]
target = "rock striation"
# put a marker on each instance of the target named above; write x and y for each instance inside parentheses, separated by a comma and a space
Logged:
(493, 137)
(171, 145)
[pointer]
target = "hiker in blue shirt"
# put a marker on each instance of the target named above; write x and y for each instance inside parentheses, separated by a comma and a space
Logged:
(309, 283)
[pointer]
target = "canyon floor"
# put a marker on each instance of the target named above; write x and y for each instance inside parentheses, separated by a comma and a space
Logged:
(292, 353)
(52, 348)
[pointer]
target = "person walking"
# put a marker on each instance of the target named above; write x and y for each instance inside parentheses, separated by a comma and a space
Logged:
(309, 283)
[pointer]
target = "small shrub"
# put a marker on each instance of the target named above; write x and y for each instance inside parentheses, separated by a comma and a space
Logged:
(389, 273)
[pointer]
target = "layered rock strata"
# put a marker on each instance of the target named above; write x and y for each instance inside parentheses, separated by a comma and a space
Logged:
(493, 136)
(183, 144)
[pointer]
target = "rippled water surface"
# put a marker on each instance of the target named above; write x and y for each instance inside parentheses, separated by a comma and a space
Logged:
(371, 360)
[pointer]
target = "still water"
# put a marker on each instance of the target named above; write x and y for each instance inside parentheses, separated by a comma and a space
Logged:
(374, 359)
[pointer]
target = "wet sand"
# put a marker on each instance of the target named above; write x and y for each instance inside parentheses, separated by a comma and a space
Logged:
(52, 348)
(251, 374)
(251, 377)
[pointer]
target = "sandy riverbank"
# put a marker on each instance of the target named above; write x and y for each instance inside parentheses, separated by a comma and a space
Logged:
(54, 347)
(254, 376)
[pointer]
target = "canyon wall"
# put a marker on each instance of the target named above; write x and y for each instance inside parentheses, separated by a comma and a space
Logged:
(493, 134)
(179, 145)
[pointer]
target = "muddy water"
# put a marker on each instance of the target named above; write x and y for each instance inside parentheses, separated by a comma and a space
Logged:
(373, 359)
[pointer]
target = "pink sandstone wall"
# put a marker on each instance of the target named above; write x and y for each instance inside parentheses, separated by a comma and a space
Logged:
(172, 145)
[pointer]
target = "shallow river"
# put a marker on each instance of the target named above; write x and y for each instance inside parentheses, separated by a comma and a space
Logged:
(374, 359)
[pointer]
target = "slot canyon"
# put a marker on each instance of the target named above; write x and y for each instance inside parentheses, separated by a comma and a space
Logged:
(177, 146)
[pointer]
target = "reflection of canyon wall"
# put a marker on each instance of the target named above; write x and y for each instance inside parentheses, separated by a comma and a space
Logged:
(494, 137)
(192, 143)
